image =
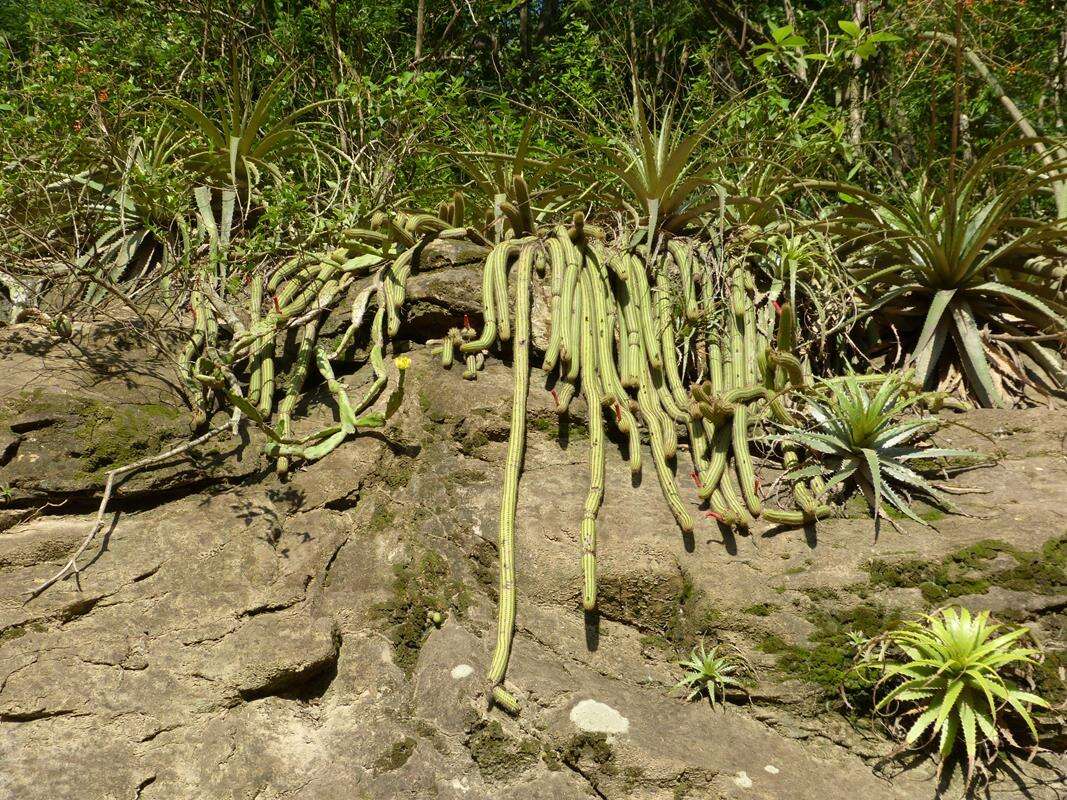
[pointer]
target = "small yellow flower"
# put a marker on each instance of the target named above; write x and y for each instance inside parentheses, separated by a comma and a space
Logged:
(402, 362)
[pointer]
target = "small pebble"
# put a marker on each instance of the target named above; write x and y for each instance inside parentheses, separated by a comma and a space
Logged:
(461, 671)
(743, 780)
(771, 769)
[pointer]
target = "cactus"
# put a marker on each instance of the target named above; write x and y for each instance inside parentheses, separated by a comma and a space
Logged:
(596, 445)
(448, 348)
(296, 383)
(613, 336)
(746, 475)
(497, 261)
(512, 469)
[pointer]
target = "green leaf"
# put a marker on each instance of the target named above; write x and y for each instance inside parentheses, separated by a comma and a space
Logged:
(850, 28)
(779, 34)
(967, 722)
(972, 353)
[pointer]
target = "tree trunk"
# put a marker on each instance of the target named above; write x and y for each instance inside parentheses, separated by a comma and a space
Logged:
(420, 28)
(855, 89)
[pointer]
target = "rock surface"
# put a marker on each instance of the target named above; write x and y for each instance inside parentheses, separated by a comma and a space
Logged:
(233, 636)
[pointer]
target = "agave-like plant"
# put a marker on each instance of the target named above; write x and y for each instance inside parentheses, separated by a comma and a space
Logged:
(242, 141)
(138, 197)
(659, 169)
(860, 435)
(950, 672)
(708, 673)
(958, 258)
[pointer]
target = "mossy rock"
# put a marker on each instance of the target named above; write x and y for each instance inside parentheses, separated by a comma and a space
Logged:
(974, 569)
(760, 609)
(115, 437)
(424, 591)
(395, 757)
(17, 631)
(652, 604)
(590, 750)
(828, 661)
(498, 755)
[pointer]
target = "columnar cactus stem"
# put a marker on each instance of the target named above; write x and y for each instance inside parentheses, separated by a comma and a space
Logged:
(649, 407)
(734, 503)
(448, 348)
(296, 384)
(643, 295)
(499, 267)
(572, 319)
(720, 452)
(377, 361)
(614, 393)
(497, 260)
(670, 360)
(596, 444)
(505, 628)
(630, 349)
(557, 261)
(746, 475)
(569, 344)
(683, 257)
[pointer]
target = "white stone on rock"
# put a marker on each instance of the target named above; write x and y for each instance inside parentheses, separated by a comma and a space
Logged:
(743, 780)
(461, 671)
(596, 717)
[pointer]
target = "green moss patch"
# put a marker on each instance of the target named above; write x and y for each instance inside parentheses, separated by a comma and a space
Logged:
(422, 589)
(760, 609)
(559, 428)
(827, 662)
(974, 569)
(17, 631)
(650, 603)
(106, 436)
(498, 755)
(591, 754)
(395, 757)
(114, 437)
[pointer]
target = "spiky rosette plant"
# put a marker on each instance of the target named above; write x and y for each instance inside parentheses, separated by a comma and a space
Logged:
(660, 171)
(137, 197)
(958, 259)
(949, 676)
(242, 139)
(519, 188)
(711, 674)
(861, 434)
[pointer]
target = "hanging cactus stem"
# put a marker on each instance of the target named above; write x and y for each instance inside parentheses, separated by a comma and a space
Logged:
(512, 470)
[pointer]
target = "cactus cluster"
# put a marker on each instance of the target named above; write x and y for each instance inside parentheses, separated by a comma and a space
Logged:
(614, 340)
(748, 379)
(296, 296)
(657, 338)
